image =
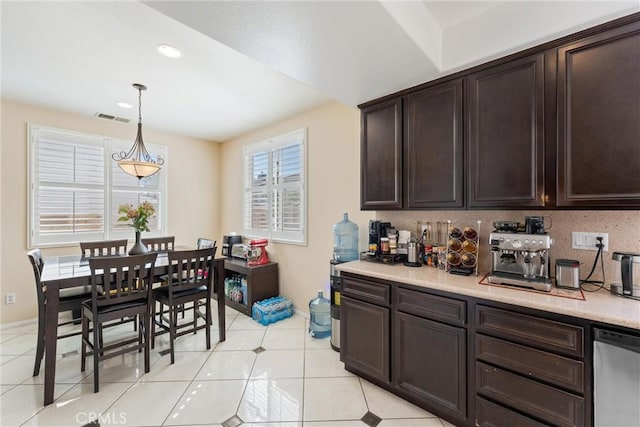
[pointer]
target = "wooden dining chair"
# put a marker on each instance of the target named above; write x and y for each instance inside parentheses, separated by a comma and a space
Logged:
(126, 284)
(160, 244)
(70, 300)
(203, 243)
(104, 248)
(190, 280)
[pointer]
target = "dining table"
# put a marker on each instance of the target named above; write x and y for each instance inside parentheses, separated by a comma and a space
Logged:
(68, 271)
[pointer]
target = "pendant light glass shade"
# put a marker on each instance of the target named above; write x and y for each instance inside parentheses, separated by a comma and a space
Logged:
(137, 161)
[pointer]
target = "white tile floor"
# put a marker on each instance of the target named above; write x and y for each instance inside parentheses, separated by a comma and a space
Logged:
(296, 381)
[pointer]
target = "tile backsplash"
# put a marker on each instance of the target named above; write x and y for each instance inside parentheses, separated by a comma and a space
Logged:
(623, 228)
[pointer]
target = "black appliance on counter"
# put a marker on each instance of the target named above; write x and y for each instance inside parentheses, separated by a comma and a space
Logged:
(228, 242)
(377, 229)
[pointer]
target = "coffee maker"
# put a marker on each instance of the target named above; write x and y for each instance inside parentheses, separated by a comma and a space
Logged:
(520, 259)
(377, 229)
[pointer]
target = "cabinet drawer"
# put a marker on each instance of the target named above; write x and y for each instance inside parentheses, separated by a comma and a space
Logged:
(488, 414)
(366, 290)
(536, 364)
(551, 405)
(434, 307)
(529, 330)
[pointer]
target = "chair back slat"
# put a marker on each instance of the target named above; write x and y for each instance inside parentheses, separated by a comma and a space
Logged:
(190, 269)
(205, 243)
(103, 248)
(159, 244)
(37, 263)
(123, 279)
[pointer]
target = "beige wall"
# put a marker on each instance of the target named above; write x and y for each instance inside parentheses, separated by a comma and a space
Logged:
(205, 188)
(334, 165)
(623, 228)
(333, 159)
(193, 192)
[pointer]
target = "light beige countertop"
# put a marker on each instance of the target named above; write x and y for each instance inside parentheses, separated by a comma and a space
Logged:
(599, 306)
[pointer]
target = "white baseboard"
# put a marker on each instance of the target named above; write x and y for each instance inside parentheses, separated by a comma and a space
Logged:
(301, 313)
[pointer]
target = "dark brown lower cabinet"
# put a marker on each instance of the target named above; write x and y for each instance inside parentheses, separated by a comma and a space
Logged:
(430, 363)
(549, 404)
(365, 340)
(488, 414)
(472, 362)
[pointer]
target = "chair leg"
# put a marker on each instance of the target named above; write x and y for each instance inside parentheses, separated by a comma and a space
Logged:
(140, 330)
(85, 336)
(153, 323)
(147, 337)
(208, 323)
(195, 317)
(97, 351)
(40, 345)
(173, 318)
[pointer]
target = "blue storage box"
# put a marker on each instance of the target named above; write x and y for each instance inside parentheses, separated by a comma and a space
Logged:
(271, 310)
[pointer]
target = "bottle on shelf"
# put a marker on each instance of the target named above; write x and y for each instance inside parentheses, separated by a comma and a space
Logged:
(320, 313)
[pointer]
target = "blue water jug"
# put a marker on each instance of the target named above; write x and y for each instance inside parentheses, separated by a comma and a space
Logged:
(345, 240)
(320, 312)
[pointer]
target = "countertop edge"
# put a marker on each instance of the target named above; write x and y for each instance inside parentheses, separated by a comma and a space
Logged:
(598, 306)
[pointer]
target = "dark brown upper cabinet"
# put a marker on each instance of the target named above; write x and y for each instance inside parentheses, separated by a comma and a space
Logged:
(598, 131)
(505, 135)
(381, 156)
(433, 161)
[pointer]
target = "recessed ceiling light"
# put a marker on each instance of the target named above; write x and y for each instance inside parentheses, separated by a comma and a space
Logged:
(169, 51)
(124, 105)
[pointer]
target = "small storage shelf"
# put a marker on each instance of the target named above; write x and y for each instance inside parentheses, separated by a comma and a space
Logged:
(262, 282)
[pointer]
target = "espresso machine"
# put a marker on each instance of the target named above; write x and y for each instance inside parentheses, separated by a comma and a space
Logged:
(520, 259)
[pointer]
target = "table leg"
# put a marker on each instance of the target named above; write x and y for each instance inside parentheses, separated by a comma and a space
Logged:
(50, 340)
(219, 287)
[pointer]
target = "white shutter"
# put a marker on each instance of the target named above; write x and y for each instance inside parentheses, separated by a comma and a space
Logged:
(68, 196)
(275, 189)
(76, 188)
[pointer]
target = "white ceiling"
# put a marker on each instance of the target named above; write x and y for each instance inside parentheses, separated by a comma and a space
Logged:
(247, 64)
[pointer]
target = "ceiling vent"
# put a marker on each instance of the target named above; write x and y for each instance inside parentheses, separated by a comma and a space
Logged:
(110, 117)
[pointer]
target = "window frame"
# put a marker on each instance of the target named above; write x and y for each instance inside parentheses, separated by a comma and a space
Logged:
(271, 145)
(108, 144)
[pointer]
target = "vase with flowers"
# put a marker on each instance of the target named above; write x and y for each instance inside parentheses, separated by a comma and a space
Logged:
(139, 217)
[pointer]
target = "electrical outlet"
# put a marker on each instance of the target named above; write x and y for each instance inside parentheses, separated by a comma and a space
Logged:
(588, 240)
(10, 298)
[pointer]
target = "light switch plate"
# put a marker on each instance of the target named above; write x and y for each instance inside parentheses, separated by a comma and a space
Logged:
(587, 240)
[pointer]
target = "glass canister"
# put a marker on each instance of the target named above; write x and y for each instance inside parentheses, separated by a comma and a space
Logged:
(345, 240)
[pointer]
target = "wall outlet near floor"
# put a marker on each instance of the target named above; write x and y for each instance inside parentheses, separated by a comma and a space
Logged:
(588, 240)
(10, 298)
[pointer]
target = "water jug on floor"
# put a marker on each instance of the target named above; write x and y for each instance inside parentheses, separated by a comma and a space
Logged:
(345, 240)
(320, 312)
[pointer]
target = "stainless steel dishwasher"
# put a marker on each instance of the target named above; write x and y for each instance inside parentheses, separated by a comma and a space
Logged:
(616, 379)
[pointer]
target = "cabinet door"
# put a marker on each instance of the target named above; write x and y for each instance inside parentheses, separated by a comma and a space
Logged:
(381, 156)
(433, 147)
(430, 363)
(505, 137)
(599, 120)
(364, 338)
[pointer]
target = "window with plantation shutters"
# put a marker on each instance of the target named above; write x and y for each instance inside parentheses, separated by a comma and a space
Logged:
(76, 188)
(275, 189)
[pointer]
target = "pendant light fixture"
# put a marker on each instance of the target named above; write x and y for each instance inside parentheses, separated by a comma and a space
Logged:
(137, 161)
